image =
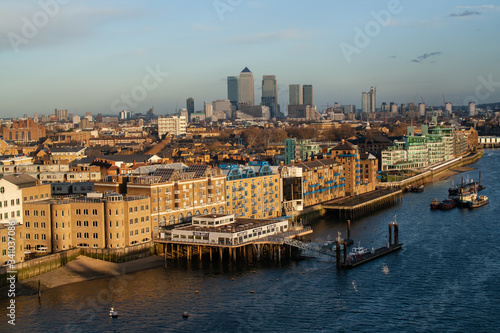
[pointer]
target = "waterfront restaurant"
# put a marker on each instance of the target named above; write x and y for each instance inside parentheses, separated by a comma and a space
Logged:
(222, 229)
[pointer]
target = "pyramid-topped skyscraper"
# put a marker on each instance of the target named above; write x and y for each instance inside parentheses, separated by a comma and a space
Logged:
(246, 87)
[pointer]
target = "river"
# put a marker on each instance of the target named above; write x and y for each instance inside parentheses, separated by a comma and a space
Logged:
(445, 279)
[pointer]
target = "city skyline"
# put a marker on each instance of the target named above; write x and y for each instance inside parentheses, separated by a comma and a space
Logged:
(89, 56)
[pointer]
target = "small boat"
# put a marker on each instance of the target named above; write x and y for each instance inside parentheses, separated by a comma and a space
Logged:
(480, 201)
(185, 315)
(358, 251)
(113, 313)
(447, 204)
(418, 189)
(435, 203)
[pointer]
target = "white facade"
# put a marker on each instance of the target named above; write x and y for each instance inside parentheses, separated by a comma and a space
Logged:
(173, 125)
(246, 88)
(10, 202)
(209, 109)
(472, 109)
(421, 109)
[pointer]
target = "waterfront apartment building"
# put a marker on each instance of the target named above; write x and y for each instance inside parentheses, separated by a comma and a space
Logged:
(108, 221)
(175, 195)
(173, 125)
(253, 190)
(322, 181)
(360, 171)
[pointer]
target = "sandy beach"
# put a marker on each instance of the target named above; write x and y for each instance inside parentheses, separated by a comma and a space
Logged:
(83, 269)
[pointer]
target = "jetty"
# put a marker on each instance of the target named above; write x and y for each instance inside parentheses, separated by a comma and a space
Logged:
(363, 204)
(345, 261)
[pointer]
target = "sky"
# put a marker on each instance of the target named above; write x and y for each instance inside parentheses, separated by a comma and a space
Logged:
(105, 56)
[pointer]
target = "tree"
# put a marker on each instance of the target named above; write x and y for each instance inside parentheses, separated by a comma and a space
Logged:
(251, 136)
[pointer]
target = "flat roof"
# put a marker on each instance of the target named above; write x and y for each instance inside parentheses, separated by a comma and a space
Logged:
(240, 224)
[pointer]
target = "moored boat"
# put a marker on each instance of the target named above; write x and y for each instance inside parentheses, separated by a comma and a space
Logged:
(447, 204)
(480, 201)
(435, 203)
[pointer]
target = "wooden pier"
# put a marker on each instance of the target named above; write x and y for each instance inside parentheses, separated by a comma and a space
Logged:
(363, 204)
(273, 248)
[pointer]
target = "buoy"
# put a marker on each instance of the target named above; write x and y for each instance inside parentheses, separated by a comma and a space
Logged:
(232, 279)
(196, 292)
(113, 313)
(185, 315)
(253, 271)
(303, 272)
(251, 291)
(277, 279)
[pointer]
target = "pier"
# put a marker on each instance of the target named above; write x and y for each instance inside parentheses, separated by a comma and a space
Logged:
(353, 261)
(363, 204)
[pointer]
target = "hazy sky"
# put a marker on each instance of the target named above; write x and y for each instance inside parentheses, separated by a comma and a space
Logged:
(103, 56)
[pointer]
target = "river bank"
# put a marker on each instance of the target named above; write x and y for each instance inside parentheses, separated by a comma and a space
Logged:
(82, 269)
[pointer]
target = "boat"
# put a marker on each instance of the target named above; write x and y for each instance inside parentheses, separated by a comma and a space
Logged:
(447, 204)
(358, 251)
(468, 188)
(435, 203)
(113, 313)
(480, 201)
(465, 200)
(418, 189)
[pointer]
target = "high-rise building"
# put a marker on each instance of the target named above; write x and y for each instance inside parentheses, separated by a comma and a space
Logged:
(448, 109)
(472, 109)
(190, 105)
(369, 100)
(208, 109)
(308, 95)
(421, 109)
(61, 115)
(246, 87)
(233, 90)
(221, 109)
(295, 94)
(270, 94)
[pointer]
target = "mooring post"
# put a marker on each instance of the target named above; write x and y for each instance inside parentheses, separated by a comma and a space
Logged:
(396, 232)
(390, 235)
(348, 229)
(337, 253)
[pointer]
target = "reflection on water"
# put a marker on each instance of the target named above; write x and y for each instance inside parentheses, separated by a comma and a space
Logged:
(444, 279)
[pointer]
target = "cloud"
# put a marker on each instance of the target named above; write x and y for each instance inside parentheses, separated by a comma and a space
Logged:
(69, 24)
(424, 56)
(466, 13)
(266, 37)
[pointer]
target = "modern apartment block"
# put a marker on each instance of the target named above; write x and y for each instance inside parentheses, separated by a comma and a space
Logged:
(173, 125)
(300, 150)
(253, 190)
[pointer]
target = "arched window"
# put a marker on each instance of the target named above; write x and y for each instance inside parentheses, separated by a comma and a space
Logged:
(181, 218)
(189, 217)
(197, 213)
(221, 210)
(163, 221)
(214, 211)
(171, 220)
(205, 211)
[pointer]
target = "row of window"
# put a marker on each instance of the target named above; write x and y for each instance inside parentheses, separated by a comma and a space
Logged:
(86, 235)
(35, 224)
(13, 202)
(136, 220)
(35, 213)
(135, 209)
(12, 215)
(36, 197)
(136, 232)
(35, 236)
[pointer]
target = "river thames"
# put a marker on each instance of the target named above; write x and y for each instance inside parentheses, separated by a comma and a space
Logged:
(445, 279)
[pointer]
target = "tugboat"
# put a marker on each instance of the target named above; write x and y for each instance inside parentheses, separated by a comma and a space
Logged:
(480, 201)
(435, 203)
(447, 204)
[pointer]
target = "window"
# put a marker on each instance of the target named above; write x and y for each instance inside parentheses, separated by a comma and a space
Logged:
(94, 211)
(27, 224)
(110, 236)
(42, 225)
(137, 232)
(135, 209)
(78, 223)
(142, 230)
(12, 202)
(136, 220)
(85, 223)
(62, 225)
(78, 235)
(27, 236)
(131, 233)
(94, 223)
(43, 237)
(4, 239)
(94, 235)
(17, 202)
(78, 212)
(147, 229)
(35, 224)
(86, 235)
(18, 213)
(117, 224)
(85, 212)
(130, 210)
(42, 213)
(131, 221)
(26, 213)
(142, 218)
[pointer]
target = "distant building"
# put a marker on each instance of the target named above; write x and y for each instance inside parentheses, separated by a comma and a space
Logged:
(125, 114)
(173, 125)
(421, 109)
(308, 94)
(448, 109)
(246, 87)
(61, 115)
(23, 131)
(295, 95)
(208, 109)
(270, 94)
(190, 106)
(233, 90)
(472, 109)
(369, 101)
(221, 108)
